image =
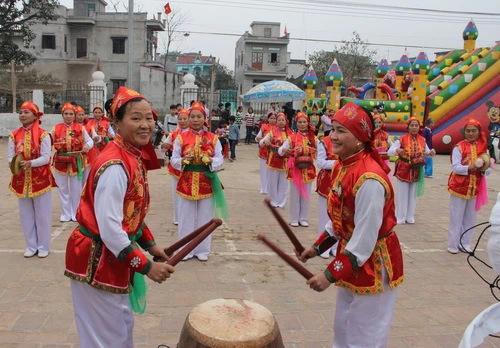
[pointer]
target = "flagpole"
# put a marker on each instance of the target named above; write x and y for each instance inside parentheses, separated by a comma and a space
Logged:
(130, 58)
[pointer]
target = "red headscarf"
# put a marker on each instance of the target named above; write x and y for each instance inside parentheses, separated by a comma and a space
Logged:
(359, 123)
(35, 129)
(122, 96)
(288, 130)
(98, 107)
(68, 106)
(184, 112)
(481, 140)
(310, 127)
(199, 106)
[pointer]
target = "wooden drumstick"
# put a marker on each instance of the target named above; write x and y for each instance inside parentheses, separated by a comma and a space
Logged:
(287, 258)
(181, 242)
(298, 246)
(174, 260)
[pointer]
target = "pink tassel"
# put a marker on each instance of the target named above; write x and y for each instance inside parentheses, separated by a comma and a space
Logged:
(296, 174)
(482, 195)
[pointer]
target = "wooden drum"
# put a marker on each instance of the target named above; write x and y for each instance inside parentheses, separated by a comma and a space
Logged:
(303, 162)
(230, 323)
(417, 162)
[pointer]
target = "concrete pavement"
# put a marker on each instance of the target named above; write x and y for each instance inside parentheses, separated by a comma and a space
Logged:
(439, 298)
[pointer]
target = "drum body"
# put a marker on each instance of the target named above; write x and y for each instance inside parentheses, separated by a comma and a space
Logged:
(417, 162)
(230, 323)
(303, 162)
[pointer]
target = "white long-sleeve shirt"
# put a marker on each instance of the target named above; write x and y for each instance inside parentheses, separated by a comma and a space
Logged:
(287, 144)
(369, 203)
(87, 140)
(456, 163)
(397, 144)
(321, 160)
(45, 147)
(217, 160)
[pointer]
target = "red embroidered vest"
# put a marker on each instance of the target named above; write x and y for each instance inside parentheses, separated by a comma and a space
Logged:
(33, 181)
(303, 146)
(194, 185)
(67, 139)
(101, 128)
(381, 142)
(349, 175)
(324, 179)
(414, 147)
(88, 259)
(263, 150)
(465, 186)
(274, 160)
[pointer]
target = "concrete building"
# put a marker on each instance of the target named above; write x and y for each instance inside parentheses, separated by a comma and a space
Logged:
(196, 64)
(260, 56)
(86, 37)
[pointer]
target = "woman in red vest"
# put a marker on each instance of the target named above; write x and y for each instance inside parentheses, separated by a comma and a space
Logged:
(183, 126)
(368, 266)
(71, 142)
(300, 145)
(101, 127)
(264, 151)
(411, 149)
(33, 183)
(464, 186)
(102, 254)
(197, 155)
(325, 161)
(277, 185)
(80, 118)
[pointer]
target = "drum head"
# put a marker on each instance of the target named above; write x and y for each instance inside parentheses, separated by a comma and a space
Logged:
(15, 164)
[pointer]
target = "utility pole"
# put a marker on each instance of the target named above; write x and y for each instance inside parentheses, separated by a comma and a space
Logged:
(13, 80)
(212, 84)
(130, 43)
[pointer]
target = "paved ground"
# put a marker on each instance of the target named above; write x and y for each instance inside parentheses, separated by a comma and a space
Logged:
(440, 297)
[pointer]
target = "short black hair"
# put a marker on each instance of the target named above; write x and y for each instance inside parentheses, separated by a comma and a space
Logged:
(179, 104)
(121, 111)
(107, 106)
(192, 102)
(173, 106)
(219, 105)
(227, 105)
(232, 118)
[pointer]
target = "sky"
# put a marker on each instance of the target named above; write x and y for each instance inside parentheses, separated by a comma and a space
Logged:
(436, 27)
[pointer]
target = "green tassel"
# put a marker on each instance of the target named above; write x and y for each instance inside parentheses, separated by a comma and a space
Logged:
(220, 204)
(420, 182)
(138, 294)
(79, 166)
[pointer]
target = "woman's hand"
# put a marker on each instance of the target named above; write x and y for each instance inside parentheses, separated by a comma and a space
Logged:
(307, 254)
(166, 146)
(25, 164)
(472, 167)
(85, 148)
(187, 158)
(160, 271)
(96, 139)
(432, 152)
(158, 253)
(401, 152)
(267, 143)
(319, 282)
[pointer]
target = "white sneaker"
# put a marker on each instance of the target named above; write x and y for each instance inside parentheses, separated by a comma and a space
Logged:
(325, 255)
(294, 224)
(453, 251)
(29, 253)
(64, 219)
(304, 223)
(187, 257)
(43, 254)
(202, 258)
(176, 223)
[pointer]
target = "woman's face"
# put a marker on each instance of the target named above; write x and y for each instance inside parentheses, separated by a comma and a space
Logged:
(344, 142)
(281, 121)
(471, 133)
(68, 116)
(378, 123)
(302, 124)
(80, 117)
(413, 127)
(183, 121)
(196, 119)
(98, 114)
(26, 117)
(137, 124)
(272, 120)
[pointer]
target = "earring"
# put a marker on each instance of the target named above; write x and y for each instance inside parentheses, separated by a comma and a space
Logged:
(359, 144)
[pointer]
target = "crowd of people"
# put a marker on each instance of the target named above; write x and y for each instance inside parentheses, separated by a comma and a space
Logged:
(100, 167)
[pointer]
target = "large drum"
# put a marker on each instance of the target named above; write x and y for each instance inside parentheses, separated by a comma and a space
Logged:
(230, 323)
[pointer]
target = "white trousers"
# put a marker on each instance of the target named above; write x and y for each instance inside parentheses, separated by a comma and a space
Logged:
(103, 319)
(363, 321)
(406, 200)
(193, 214)
(86, 173)
(69, 190)
(277, 187)
(264, 174)
(175, 198)
(36, 221)
(299, 206)
(462, 217)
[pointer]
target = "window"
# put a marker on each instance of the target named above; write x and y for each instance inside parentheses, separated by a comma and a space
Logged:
(65, 43)
(81, 48)
(267, 32)
(257, 58)
(49, 41)
(90, 9)
(117, 84)
(118, 45)
(273, 58)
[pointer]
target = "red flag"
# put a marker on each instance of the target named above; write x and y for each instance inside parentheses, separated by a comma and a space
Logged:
(167, 8)
(285, 32)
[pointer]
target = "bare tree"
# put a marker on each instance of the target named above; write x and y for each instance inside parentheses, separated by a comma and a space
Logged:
(115, 4)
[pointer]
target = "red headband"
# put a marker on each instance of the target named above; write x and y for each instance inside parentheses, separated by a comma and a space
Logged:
(98, 107)
(472, 122)
(411, 119)
(356, 120)
(198, 106)
(122, 96)
(301, 115)
(68, 106)
(79, 109)
(32, 107)
(184, 112)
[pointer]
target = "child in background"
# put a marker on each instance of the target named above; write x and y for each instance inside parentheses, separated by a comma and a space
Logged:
(222, 132)
(427, 134)
(233, 136)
